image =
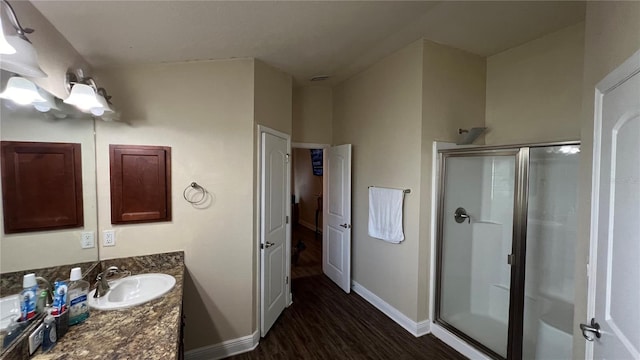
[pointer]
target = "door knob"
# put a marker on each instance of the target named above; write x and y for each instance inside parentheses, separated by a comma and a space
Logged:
(594, 327)
(346, 226)
(267, 245)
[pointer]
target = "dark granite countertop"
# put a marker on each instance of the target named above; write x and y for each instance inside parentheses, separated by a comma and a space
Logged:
(147, 331)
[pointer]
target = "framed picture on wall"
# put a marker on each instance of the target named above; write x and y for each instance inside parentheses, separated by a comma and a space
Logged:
(316, 161)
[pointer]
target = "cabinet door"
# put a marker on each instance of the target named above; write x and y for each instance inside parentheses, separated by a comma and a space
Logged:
(140, 183)
(41, 186)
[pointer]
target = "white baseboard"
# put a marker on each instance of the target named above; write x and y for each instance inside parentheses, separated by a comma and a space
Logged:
(309, 226)
(225, 348)
(458, 344)
(415, 328)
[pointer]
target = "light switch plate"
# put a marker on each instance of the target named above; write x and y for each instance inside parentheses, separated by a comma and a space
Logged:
(35, 339)
(87, 240)
(109, 238)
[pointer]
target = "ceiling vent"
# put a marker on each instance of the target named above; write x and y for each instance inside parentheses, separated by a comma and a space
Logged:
(319, 78)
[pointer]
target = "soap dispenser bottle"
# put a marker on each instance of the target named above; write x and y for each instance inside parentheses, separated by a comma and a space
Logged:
(50, 336)
(78, 290)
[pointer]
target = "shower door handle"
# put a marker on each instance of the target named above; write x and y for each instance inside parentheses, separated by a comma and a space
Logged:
(461, 215)
(594, 327)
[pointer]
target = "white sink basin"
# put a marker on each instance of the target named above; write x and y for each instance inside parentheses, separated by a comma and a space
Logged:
(9, 309)
(132, 291)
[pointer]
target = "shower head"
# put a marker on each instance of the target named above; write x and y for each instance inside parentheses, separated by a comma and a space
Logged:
(470, 135)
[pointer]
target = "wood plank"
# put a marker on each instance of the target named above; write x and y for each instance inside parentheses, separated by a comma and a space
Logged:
(326, 323)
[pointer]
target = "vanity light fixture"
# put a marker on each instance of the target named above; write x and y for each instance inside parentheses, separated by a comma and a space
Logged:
(22, 92)
(17, 54)
(99, 110)
(50, 105)
(105, 109)
(87, 96)
(83, 97)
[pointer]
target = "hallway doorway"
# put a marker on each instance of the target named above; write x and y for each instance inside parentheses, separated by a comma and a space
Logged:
(306, 196)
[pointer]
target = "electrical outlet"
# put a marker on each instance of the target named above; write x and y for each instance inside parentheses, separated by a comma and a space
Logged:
(87, 240)
(109, 238)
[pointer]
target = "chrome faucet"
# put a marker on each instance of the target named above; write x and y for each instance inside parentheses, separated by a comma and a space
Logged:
(102, 285)
(49, 300)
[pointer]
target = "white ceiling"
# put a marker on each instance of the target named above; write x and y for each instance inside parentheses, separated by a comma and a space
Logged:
(305, 38)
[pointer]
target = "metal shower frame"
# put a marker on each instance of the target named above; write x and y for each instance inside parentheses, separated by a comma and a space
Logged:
(519, 239)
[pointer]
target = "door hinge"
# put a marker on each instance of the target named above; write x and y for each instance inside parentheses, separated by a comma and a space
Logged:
(286, 157)
(286, 280)
(286, 219)
(511, 259)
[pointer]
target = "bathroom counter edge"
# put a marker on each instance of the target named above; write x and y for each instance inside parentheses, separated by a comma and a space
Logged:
(147, 331)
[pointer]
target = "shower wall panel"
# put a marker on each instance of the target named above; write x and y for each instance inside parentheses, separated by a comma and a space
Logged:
(464, 177)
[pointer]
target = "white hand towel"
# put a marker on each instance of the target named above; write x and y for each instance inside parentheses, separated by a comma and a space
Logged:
(385, 214)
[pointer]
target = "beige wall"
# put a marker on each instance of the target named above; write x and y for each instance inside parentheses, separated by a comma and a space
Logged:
(612, 34)
(33, 250)
(392, 113)
(55, 53)
(534, 90)
(379, 111)
(312, 114)
(272, 97)
(453, 92)
(453, 96)
(204, 111)
(307, 188)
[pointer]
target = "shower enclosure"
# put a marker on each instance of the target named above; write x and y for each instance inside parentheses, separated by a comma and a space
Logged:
(505, 248)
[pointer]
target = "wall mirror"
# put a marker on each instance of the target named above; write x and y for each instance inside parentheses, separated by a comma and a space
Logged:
(39, 249)
(49, 248)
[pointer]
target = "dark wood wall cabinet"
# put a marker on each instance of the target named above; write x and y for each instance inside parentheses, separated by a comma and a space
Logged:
(140, 183)
(41, 186)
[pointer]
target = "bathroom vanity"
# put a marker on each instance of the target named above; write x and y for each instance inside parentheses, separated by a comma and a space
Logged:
(152, 330)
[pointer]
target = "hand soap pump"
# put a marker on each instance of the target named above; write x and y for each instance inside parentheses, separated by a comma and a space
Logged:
(50, 336)
(78, 291)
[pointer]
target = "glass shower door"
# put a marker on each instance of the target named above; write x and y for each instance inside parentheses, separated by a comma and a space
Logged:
(550, 259)
(477, 201)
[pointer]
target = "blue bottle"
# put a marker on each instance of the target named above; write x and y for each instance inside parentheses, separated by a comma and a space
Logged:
(28, 297)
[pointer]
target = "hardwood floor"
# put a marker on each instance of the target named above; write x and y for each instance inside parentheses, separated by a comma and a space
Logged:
(310, 259)
(326, 323)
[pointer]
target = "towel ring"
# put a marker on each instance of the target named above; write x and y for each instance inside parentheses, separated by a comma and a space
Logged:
(194, 185)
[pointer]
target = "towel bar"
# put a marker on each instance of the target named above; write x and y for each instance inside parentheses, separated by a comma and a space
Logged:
(406, 191)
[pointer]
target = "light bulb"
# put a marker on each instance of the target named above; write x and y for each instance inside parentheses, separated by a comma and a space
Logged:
(97, 111)
(42, 106)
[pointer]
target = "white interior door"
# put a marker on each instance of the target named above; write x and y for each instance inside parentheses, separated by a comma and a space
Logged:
(336, 235)
(614, 286)
(274, 227)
